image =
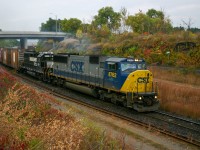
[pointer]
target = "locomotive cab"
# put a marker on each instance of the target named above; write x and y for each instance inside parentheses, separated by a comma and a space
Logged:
(37, 64)
(130, 77)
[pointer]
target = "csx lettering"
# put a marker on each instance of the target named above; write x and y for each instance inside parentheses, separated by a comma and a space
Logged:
(112, 74)
(143, 80)
(77, 66)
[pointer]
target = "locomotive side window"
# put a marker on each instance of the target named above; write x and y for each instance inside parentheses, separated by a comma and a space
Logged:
(94, 60)
(60, 58)
(126, 66)
(112, 66)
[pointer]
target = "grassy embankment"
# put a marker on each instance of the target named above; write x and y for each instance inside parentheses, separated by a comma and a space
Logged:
(29, 122)
(182, 95)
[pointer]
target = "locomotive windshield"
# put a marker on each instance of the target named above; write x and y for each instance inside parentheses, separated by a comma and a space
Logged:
(132, 66)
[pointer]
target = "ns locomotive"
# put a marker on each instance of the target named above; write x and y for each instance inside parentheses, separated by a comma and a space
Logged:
(120, 80)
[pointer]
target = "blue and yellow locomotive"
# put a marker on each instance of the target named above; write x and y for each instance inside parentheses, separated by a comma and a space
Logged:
(120, 80)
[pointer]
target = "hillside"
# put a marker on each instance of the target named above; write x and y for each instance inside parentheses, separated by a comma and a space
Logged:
(180, 49)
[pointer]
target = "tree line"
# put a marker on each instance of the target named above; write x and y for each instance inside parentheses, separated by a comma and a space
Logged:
(108, 21)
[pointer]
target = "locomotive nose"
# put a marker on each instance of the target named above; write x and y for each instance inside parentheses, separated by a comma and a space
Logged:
(139, 81)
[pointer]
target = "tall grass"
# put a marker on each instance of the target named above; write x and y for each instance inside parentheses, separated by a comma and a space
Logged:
(182, 95)
(182, 76)
(180, 99)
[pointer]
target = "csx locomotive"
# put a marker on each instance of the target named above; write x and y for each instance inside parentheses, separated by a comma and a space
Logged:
(120, 80)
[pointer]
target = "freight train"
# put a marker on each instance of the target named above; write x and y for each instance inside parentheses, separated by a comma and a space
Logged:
(119, 80)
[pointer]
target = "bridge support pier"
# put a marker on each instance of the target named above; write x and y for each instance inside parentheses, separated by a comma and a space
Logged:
(23, 43)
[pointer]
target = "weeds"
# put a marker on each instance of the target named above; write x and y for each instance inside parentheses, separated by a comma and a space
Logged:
(29, 122)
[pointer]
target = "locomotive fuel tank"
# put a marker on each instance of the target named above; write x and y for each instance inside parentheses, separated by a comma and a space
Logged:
(81, 88)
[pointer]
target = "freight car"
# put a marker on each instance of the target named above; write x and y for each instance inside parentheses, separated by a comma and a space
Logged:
(11, 57)
(1, 55)
(6, 60)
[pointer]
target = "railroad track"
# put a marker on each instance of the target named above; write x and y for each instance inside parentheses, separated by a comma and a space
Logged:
(182, 128)
(155, 121)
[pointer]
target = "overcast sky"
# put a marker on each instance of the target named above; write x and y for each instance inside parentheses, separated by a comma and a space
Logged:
(27, 15)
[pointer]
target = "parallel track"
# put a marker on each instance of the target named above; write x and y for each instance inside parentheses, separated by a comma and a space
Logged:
(185, 129)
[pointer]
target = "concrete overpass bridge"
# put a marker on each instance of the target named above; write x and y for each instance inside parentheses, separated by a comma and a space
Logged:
(23, 36)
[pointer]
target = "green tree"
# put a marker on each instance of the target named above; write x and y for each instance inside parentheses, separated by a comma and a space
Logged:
(71, 25)
(107, 16)
(139, 22)
(152, 13)
(153, 21)
(50, 25)
(9, 43)
(85, 27)
(158, 21)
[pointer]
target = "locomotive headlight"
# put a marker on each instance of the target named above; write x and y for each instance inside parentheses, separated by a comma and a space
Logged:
(156, 97)
(140, 98)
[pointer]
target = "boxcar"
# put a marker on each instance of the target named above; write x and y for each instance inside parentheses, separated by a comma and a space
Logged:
(7, 57)
(1, 55)
(14, 58)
